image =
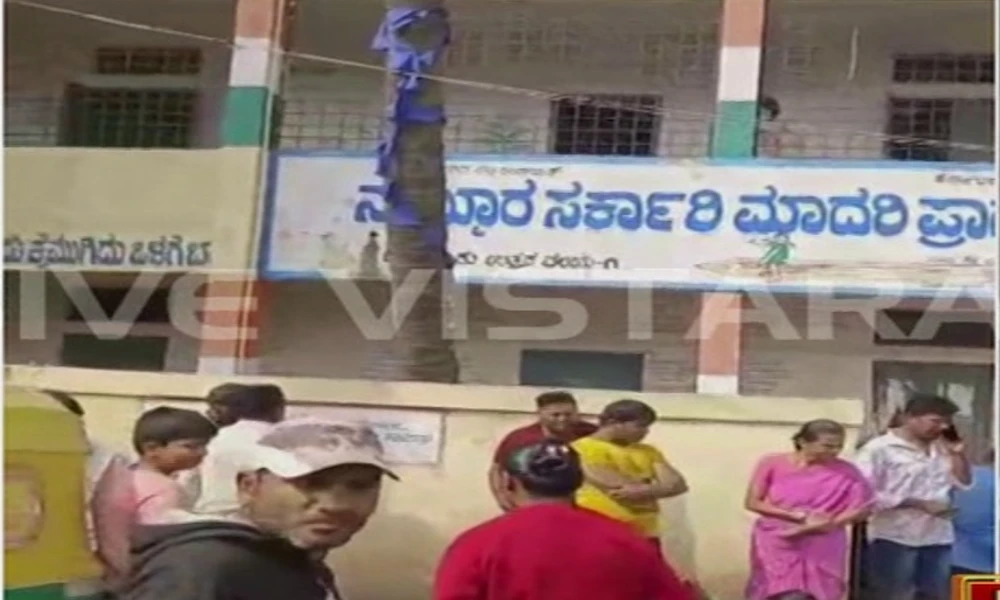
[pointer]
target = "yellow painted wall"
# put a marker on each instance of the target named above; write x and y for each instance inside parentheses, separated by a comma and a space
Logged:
(713, 440)
(136, 195)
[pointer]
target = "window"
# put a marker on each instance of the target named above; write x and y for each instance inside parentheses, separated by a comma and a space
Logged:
(135, 98)
(943, 68)
(143, 348)
(148, 61)
(942, 108)
(156, 309)
(582, 369)
(531, 40)
(688, 55)
(920, 328)
(968, 386)
(131, 353)
(128, 118)
(467, 48)
(606, 125)
(933, 129)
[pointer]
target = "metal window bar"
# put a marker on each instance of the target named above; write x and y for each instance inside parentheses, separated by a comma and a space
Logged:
(943, 68)
(606, 125)
(128, 118)
(147, 61)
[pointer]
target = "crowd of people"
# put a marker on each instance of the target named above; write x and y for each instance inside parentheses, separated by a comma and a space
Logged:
(241, 504)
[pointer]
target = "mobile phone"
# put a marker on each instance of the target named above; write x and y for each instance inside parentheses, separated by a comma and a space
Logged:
(951, 434)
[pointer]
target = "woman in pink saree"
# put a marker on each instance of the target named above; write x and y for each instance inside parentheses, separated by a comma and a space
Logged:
(806, 500)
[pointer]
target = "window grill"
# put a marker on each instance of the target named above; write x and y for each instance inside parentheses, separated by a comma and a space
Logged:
(690, 56)
(926, 119)
(128, 118)
(148, 61)
(467, 48)
(943, 68)
(526, 42)
(606, 125)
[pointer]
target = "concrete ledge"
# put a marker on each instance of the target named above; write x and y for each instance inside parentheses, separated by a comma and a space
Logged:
(474, 398)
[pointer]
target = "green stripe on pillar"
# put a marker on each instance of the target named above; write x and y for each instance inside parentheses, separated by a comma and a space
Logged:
(244, 123)
(735, 131)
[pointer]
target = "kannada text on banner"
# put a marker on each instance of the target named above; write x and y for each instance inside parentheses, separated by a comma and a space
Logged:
(603, 223)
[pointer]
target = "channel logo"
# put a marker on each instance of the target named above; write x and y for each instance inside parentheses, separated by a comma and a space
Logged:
(975, 587)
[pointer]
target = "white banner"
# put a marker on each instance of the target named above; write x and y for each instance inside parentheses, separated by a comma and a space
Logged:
(788, 228)
(409, 437)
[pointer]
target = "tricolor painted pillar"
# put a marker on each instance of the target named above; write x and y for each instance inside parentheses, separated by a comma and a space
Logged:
(233, 303)
(734, 135)
(719, 324)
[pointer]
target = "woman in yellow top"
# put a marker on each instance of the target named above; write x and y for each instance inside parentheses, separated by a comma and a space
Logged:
(624, 478)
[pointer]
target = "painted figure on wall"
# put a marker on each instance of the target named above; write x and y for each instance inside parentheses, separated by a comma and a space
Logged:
(777, 254)
(368, 263)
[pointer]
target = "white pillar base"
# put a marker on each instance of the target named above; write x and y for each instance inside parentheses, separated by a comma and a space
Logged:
(225, 365)
(718, 385)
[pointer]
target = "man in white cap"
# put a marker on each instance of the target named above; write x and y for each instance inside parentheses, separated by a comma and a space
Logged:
(309, 485)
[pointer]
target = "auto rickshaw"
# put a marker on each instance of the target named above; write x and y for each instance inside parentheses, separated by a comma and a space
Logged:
(46, 551)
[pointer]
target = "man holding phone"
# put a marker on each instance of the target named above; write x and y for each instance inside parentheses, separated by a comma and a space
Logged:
(914, 469)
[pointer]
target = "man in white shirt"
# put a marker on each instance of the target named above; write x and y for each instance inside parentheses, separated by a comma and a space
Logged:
(253, 411)
(914, 470)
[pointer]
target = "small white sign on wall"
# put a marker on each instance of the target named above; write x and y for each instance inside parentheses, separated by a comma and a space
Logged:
(409, 437)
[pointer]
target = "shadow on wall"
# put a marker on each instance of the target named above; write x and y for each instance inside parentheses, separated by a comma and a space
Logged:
(393, 558)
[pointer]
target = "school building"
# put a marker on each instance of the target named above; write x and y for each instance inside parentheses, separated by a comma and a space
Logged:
(804, 188)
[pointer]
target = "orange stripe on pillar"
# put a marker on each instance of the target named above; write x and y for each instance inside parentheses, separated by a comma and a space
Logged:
(719, 341)
(258, 19)
(232, 307)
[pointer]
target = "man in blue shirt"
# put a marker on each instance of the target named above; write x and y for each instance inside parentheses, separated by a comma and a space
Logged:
(975, 522)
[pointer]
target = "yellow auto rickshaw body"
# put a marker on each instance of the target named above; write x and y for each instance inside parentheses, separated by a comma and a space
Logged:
(46, 549)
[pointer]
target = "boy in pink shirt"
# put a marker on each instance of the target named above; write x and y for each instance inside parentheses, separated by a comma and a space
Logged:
(168, 441)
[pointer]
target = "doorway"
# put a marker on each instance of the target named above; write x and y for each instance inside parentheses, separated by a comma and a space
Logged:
(970, 386)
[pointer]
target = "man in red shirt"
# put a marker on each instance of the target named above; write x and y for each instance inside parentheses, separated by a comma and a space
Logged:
(558, 419)
(548, 549)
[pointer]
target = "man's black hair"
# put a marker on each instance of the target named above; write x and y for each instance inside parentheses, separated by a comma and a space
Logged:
(259, 402)
(220, 393)
(165, 424)
(548, 469)
(929, 404)
(68, 402)
(627, 411)
(550, 398)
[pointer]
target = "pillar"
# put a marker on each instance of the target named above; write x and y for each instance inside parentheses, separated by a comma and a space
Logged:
(734, 135)
(719, 324)
(232, 307)
(233, 303)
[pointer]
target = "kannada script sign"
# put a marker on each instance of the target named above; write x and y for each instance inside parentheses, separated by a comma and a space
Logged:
(683, 225)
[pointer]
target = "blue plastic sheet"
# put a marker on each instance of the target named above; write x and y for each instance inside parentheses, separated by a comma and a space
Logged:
(402, 58)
